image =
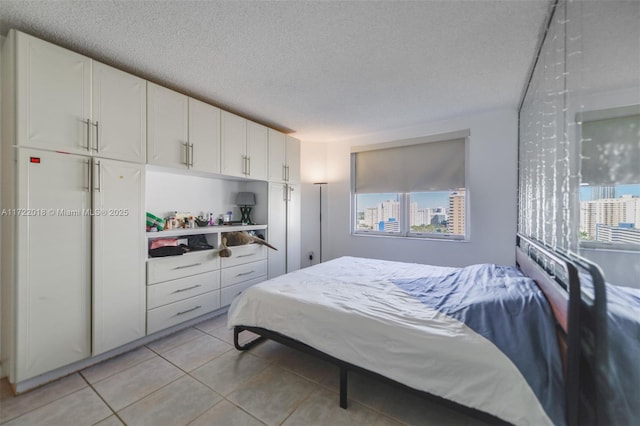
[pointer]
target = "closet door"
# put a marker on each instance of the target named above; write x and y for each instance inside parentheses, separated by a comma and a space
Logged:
(277, 230)
(293, 228)
(277, 160)
(257, 150)
(53, 96)
(53, 261)
(204, 136)
(119, 245)
(234, 143)
(293, 159)
(119, 127)
(167, 127)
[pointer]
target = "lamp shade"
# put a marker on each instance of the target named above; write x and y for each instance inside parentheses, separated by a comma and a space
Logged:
(246, 199)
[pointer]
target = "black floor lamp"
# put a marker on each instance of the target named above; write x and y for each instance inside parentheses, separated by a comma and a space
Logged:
(320, 186)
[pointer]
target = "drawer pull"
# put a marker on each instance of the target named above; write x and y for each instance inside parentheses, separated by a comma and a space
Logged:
(187, 266)
(189, 310)
(246, 255)
(245, 273)
(188, 288)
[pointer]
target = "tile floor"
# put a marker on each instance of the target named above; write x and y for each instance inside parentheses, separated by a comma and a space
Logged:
(196, 377)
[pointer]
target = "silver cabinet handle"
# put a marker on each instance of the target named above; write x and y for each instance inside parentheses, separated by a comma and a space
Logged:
(88, 187)
(285, 192)
(244, 164)
(191, 156)
(186, 153)
(88, 122)
(287, 173)
(96, 125)
(187, 266)
(284, 172)
(249, 168)
(187, 288)
(246, 255)
(189, 310)
(245, 273)
(99, 180)
(290, 191)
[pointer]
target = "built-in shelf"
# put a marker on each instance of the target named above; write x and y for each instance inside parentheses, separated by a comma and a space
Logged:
(204, 230)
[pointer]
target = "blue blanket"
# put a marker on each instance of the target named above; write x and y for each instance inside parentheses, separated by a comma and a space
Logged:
(507, 308)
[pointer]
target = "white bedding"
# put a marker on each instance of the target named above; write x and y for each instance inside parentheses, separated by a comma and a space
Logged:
(350, 309)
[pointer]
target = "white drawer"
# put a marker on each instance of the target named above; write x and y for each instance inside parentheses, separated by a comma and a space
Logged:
(241, 273)
(182, 288)
(227, 294)
(175, 313)
(244, 254)
(171, 267)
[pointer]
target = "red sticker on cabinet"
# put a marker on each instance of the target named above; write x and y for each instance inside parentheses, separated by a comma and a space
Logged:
(35, 160)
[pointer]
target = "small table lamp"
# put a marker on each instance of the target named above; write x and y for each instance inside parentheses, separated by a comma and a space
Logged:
(245, 200)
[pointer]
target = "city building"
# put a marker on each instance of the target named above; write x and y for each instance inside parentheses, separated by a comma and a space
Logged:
(609, 212)
(455, 213)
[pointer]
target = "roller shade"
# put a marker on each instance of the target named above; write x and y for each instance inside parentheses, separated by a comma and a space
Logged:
(432, 166)
(611, 151)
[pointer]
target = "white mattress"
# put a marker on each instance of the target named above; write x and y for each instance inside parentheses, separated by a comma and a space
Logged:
(349, 309)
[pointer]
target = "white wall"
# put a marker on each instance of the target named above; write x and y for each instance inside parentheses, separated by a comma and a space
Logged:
(491, 182)
(167, 192)
(313, 160)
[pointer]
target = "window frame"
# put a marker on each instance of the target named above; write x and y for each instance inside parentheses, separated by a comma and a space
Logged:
(405, 198)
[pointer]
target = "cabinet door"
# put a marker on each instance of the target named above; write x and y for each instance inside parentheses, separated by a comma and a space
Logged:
(119, 293)
(277, 231)
(233, 144)
(53, 262)
(293, 228)
(167, 127)
(119, 114)
(53, 96)
(204, 136)
(277, 160)
(257, 150)
(293, 159)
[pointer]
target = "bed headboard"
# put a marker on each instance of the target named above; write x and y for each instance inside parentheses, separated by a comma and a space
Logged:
(581, 319)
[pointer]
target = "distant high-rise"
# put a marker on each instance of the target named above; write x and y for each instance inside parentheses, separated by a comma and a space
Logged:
(603, 191)
(608, 212)
(455, 213)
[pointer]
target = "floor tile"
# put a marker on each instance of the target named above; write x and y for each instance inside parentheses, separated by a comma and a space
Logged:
(115, 365)
(227, 414)
(225, 373)
(176, 404)
(322, 408)
(419, 410)
(83, 407)
(272, 395)
(309, 366)
(271, 350)
(196, 352)
(135, 383)
(174, 340)
(226, 334)
(110, 421)
(14, 406)
(213, 323)
(383, 420)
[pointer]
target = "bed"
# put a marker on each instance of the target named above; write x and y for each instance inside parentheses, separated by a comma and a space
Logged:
(489, 348)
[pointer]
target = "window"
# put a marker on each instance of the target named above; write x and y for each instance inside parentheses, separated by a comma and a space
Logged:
(610, 177)
(411, 188)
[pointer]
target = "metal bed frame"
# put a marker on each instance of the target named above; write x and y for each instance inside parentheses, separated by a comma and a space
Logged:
(581, 329)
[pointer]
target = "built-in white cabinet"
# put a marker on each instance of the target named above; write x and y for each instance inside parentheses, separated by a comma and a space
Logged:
(53, 261)
(68, 102)
(244, 147)
(183, 132)
(54, 101)
(167, 127)
(284, 228)
(204, 137)
(119, 250)
(119, 125)
(284, 157)
(180, 288)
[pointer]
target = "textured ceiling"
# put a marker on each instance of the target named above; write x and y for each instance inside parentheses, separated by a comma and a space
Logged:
(327, 70)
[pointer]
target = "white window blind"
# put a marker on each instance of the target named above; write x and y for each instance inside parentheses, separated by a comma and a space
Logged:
(611, 150)
(414, 167)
